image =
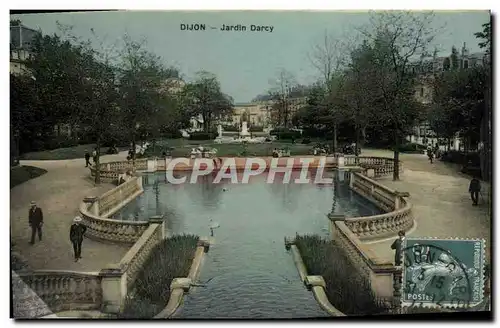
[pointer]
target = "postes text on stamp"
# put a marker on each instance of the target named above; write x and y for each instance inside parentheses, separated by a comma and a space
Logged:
(443, 272)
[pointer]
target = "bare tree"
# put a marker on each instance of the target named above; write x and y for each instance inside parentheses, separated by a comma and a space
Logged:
(281, 87)
(398, 38)
(328, 58)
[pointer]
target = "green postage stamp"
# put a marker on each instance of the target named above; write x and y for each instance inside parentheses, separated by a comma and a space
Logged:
(443, 272)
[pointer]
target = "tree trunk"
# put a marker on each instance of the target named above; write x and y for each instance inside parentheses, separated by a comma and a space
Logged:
(334, 137)
(97, 161)
(357, 145)
(395, 175)
(133, 148)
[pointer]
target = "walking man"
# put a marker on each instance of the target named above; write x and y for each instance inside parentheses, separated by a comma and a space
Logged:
(76, 233)
(398, 246)
(474, 190)
(35, 222)
(87, 158)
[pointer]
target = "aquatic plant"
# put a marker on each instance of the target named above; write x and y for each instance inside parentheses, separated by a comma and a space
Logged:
(169, 259)
(346, 289)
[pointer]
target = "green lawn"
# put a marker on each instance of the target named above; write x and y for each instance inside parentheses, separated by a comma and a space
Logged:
(182, 147)
(262, 149)
(63, 153)
(20, 174)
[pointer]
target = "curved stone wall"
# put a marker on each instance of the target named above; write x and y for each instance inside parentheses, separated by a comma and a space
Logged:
(94, 211)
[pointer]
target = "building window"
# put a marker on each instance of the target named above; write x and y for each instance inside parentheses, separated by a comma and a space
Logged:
(466, 64)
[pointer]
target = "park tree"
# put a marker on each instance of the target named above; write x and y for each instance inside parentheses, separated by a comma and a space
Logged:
(454, 61)
(58, 79)
(361, 99)
(447, 64)
(328, 57)
(204, 97)
(486, 121)
(143, 106)
(280, 93)
(398, 38)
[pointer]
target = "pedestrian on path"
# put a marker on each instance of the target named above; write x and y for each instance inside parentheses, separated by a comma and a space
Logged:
(474, 190)
(430, 153)
(87, 158)
(35, 222)
(397, 245)
(76, 233)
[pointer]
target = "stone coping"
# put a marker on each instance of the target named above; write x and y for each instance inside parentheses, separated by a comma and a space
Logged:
(84, 206)
(181, 286)
(314, 283)
(405, 208)
(376, 264)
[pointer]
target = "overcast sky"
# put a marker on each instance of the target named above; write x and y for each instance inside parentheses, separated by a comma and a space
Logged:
(244, 62)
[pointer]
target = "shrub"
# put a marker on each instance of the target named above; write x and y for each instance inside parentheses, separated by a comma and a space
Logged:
(411, 148)
(256, 128)
(230, 128)
(346, 289)
(172, 134)
(314, 133)
(202, 135)
(170, 259)
(306, 141)
(281, 134)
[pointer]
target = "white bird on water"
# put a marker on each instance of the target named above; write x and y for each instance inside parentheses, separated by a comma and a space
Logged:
(213, 225)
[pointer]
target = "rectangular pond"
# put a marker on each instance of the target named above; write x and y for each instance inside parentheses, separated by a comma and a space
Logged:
(251, 274)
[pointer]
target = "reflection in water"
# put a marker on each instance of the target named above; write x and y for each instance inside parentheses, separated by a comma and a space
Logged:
(252, 275)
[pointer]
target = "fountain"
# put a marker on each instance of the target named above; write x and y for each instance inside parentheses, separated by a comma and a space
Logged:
(243, 136)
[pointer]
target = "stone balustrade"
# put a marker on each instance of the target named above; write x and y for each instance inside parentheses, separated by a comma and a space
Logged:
(105, 175)
(382, 166)
(65, 290)
(111, 230)
(399, 211)
(380, 273)
(113, 200)
(94, 212)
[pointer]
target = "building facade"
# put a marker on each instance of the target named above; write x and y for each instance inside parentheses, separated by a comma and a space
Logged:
(425, 72)
(21, 41)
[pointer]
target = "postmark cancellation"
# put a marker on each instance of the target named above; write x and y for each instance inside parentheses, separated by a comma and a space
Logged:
(447, 273)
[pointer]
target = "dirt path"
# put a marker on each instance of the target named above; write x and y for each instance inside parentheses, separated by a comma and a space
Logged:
(441, 202)
(59, 193)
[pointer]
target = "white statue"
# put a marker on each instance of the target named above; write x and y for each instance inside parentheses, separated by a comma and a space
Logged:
(219, 131)
(244, 129)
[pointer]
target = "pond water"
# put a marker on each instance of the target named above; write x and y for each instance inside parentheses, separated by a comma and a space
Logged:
(250, 273)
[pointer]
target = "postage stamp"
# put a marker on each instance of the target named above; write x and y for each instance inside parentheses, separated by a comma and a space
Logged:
(443, 272)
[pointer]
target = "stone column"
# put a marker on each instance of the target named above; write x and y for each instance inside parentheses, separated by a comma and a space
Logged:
(114, 289)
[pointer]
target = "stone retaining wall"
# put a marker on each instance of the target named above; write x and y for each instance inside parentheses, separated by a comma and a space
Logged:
(398, 210)
(314, 283)
(180, 286)
(94, 211)
(120, 277)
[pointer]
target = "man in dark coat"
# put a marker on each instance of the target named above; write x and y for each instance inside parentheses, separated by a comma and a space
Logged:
(35, 222)
(87, 158)
(398, 246)
(76, 233)
(474, 190)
